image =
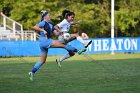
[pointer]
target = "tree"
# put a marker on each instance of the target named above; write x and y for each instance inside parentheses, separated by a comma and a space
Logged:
(127, 17)
(94, 14)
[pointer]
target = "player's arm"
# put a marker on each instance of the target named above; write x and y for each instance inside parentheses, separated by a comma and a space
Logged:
(39, 27)
(56, 27)
(60, 25)
(74, 23)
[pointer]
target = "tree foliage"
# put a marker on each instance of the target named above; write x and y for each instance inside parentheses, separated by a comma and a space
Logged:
(95, 15)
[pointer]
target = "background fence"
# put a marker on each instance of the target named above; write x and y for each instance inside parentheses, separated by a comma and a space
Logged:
(99, 45)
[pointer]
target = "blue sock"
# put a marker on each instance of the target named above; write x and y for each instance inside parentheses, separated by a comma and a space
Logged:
(36, 66)
(70, 48)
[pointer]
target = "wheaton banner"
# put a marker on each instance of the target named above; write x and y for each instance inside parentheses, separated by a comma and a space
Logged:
(102, 45)
(99, 45)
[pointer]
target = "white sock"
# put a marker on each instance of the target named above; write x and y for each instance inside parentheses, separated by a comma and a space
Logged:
(65, 57)
(81, 40)
(86, 42)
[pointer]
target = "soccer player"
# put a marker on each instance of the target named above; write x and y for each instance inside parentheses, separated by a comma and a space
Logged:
(46, 30)
(63, 27)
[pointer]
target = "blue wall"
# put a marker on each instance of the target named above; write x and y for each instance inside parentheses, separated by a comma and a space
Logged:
(99, 45)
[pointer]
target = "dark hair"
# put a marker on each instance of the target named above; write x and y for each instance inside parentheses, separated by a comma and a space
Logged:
(43, 13)
(66, 13)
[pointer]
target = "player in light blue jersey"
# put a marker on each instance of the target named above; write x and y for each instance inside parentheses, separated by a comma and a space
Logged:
(46, 31)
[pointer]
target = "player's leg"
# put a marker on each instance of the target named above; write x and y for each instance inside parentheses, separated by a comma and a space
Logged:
(40, 63)
(75, 36)
(66, 56)
(80, 39)
(69, 48)
(70, 54)
(57, 44)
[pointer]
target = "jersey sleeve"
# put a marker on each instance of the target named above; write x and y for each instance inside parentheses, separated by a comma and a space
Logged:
(61, 24)
(41, 24)
(71, 23)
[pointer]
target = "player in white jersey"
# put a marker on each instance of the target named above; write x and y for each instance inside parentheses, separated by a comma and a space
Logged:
(64, 27)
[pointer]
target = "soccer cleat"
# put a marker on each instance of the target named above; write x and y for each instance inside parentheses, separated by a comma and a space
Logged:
(58, 62)
(31, 74)
(81, 51)
(88, 43)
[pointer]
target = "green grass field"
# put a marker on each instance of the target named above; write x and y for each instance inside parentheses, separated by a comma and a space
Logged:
(118, 73)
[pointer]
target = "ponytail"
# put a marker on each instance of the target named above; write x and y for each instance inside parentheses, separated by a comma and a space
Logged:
(43, 13)
(64, 13)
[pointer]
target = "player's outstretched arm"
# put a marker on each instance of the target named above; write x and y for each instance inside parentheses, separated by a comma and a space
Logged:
(74, 23)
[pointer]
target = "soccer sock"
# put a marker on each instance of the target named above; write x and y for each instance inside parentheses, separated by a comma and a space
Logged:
(86, 42)
(70, 48)
(65, 57)
(81, 40)
(36, 66)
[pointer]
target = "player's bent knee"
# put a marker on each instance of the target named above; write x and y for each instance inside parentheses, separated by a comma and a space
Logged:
(43, 61)
(71, 53)
(57, 44)
(76, 35)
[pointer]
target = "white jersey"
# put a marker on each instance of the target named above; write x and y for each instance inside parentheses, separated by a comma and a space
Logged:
(64, 26)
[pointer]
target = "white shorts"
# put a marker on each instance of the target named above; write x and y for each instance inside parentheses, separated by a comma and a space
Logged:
(61, 39)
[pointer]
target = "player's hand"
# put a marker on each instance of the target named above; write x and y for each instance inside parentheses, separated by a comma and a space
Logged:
(45, 32)
(79, 21)
(61, 32)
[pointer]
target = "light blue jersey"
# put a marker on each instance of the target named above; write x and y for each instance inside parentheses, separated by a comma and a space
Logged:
(45, 40)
